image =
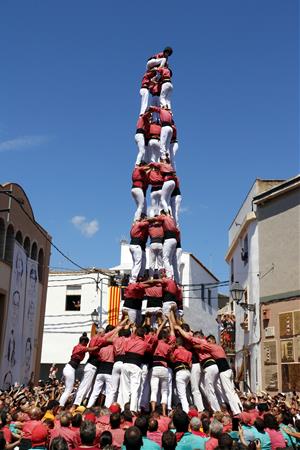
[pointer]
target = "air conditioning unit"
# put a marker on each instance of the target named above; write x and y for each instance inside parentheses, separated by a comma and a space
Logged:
(269, 332)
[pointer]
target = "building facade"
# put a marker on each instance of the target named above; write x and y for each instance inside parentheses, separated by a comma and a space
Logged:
(251, 256)
(24, 263)
(71, 299)
(278, 218)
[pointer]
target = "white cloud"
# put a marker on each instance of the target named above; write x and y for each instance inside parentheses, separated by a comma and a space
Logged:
(88, 229)
(21, 143)
(184, 209)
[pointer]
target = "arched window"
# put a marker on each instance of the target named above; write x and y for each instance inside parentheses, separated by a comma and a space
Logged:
(19, 237)
(41, 265)
(34, 249)
(9, 244)
(27, 246)
(2, 237)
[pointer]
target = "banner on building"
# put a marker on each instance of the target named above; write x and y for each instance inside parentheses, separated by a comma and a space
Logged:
(12, 357)
(290, 374)
(29, 321)
(114, 298)
(271, 377)
(270, 352)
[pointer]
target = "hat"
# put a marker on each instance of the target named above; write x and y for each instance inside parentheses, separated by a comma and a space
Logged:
(193, 413)
(39, 435)
(245, 417)
(79, 409)
(115, 408)
(90, 417)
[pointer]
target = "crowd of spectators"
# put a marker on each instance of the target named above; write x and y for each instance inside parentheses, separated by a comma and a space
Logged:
(31, 418)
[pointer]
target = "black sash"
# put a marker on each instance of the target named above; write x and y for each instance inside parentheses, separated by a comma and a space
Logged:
(222, 364)
(74, 364)
(154, 302)
(105, 367)
(134, 358)
(133, 303)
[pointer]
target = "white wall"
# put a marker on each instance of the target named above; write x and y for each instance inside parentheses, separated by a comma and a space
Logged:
(63, 328)
(248, 277)
(197, 312)
(246, 208)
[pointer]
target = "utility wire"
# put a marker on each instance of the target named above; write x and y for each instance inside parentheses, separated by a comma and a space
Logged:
(9, 194)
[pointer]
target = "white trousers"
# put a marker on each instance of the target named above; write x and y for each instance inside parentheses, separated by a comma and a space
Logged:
(155, 198)
(69, 376)
(134, 315)
(177, 265)
(229, 391)
(139, 262)
(140, 142)
(154, 150)
(86, 383)
(144, 393)
(155, 257)
(153, 310)
(169, 249)
(165, 140)
(167, 306)
(159, 381)
(130, 385)
(195, 386)
(155, 62)
(175, 202)
(112, 395)
(140, 200)
(165, 94)
(173, 150)
(170, 387)
(211, 375)
(103, 380)
(182, 380)
(144, 93)
(166, 193)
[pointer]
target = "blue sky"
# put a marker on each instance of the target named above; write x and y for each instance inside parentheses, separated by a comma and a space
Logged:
(70, 74)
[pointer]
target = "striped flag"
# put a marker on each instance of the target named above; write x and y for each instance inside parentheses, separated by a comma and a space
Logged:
(114, 298)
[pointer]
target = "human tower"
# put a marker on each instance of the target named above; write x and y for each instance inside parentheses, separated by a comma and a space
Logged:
(160, 360)
(156, 139)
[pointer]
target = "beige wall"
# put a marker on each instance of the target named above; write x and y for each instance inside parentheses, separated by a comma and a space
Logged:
(279, 246)
(279, 341)
(16, 217)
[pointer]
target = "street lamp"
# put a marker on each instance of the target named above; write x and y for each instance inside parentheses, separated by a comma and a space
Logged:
(237, 293)
(95, 316)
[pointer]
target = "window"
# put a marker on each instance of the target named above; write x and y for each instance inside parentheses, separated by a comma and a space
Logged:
(73, 298)
(19, 237)
(27, 246)
(33, 254)
(2, 237)
(232, 270)
(9, 244)
(209, 297)
(41, 265)
(244, 253)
